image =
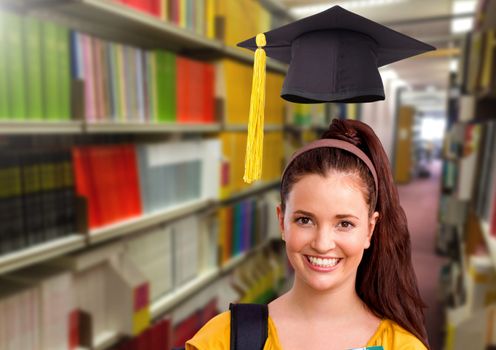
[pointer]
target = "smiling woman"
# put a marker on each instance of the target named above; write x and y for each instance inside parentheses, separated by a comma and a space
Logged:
(347, 239)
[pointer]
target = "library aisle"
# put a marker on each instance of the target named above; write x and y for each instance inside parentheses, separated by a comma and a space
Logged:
(420, 201)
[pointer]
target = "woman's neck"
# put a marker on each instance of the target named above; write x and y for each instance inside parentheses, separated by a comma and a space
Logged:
(341, 302)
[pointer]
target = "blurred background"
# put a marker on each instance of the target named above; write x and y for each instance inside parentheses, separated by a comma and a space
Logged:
(125, 223)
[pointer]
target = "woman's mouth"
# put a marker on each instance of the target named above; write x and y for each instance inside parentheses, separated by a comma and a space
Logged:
(322, 263)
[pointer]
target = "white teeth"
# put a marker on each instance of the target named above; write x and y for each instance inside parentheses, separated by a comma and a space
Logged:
(323, 262)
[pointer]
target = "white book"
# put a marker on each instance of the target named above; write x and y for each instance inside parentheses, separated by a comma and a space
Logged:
(56, 293)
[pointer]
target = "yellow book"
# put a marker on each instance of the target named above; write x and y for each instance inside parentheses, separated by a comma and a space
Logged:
(474, 62)
(237, 92)
(164, 10)
(141, 320)
(183, 8)
(210, 19)
(487, 78)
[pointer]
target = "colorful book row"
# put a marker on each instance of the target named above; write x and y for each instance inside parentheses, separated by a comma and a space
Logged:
(195, 15)
(245, 225)
(128, 84)
(120, 182)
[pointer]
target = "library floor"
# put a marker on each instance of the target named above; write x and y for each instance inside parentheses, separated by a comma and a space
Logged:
(420, 199)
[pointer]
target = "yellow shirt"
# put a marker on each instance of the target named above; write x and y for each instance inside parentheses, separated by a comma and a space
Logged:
(217, 332)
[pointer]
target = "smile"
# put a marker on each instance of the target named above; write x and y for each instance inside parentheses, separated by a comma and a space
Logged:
(323, 262)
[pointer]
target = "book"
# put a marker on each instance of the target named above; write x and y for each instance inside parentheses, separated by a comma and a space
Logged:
(34, 69)
(55, 289)
(16, 76)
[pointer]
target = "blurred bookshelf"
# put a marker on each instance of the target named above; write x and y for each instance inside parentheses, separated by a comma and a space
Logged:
(467, 214)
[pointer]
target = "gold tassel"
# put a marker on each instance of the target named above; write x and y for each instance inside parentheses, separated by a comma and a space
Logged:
(254, 143)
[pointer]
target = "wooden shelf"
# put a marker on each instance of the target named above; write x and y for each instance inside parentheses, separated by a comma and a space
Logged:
(40, 252)
(11, 127)
(156, 128)
(126, 227)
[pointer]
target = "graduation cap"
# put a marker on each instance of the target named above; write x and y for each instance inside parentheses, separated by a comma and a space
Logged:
(333, 56)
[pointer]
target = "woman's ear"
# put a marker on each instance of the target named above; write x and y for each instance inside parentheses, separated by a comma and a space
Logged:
(372, 221)
(280, 218)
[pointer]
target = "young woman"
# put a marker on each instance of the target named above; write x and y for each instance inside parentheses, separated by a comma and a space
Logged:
(347, 239)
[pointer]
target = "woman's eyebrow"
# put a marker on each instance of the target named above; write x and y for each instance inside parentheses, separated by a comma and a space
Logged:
(303, 212)
(344, 216)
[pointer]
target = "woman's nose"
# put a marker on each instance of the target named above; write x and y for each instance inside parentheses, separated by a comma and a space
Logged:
(323, 240)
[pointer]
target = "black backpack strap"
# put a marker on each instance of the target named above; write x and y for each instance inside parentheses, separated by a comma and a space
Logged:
(249, 326)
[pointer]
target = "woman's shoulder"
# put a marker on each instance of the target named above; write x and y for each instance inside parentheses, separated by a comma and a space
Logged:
(392, 336)
(215, 334)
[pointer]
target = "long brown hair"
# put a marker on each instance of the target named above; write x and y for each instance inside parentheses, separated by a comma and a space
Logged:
(385, 279)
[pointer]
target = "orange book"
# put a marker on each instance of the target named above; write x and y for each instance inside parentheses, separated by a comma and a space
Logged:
(209, 88)
(132, 181)
(84, 184)
(183, 89)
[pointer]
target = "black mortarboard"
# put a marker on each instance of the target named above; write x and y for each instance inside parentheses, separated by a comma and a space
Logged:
(334, 56)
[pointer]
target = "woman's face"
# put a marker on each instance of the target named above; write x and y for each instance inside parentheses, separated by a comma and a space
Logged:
(326, 227)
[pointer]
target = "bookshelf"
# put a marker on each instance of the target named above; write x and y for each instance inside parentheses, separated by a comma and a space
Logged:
(30, 256)
(468, 192)
(109, 20)
(117, 22)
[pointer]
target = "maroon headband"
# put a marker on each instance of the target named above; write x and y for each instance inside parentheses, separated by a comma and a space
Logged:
(333, 143)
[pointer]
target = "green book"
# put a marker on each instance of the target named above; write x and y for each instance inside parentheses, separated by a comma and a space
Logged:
(4, 88)
(64, 72)
(152, 85)
(16, 76)
(166, 86)
(32, 48)
(51, 85)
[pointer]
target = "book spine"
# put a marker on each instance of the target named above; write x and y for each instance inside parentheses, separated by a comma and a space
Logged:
(51, 87)
(64, 71)
(15, 65)
(32, 47)
(4, 86)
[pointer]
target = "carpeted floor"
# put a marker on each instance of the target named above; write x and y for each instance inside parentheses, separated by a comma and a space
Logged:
(420, 200)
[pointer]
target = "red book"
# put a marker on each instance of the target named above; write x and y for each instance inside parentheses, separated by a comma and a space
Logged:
(155, 7)
(131, 198)
(164, 333)
(196, 92)
(102, 176)
(174, 11)
(140, 5)
(186, 329)
(209, 97)
(85, 187)
(74, 329)
(182, 89)
(209, 311)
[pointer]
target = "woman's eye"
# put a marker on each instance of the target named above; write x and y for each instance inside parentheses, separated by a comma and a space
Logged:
(346, 224)
(303, 220)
